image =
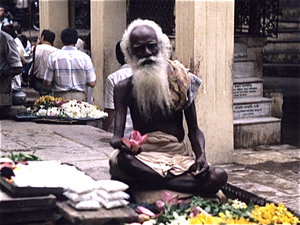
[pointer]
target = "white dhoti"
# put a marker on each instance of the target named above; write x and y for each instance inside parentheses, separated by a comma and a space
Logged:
(163, 153)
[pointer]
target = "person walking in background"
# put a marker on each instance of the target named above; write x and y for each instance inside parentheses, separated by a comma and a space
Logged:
(16, 81)
(10, 62)
(69, 69)
(111, 81)
(40, 57)
(25, 42)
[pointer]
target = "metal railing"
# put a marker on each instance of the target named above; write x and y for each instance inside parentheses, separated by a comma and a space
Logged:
(256, 17)
(160, 11)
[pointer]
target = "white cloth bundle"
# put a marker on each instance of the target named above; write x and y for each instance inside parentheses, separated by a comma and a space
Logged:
(75, 197)
(85, 205)
(110, 196)
(107, 193)
(111, 185)
(113, 203)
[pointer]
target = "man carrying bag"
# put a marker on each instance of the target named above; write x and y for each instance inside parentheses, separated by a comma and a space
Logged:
(41, 52)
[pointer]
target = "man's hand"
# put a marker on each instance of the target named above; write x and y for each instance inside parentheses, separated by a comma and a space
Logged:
(118, 144)
(200, 168)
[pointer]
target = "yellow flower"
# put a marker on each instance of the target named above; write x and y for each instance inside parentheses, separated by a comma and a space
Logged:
(271, 214)
(203, 219)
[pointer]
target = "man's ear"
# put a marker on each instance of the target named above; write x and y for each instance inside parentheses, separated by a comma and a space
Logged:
(42, 38)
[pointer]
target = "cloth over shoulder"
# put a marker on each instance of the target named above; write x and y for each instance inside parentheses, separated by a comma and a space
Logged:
(183, 85)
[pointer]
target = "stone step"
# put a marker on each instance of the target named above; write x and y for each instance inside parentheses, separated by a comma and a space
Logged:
(247, 87)
(289, 30)
(282, 45)
(283, 57)
(288, 23)
(286, 36)
(281, 70)
(240, 50)
(243, 67)
(292, 11)
(30, 92)
(251, 107)
(252, 132)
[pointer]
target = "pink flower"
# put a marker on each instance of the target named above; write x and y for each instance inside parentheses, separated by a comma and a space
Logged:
(145, 211)
(136, 140)
(167, 198)
(197, 210)
(60, 103)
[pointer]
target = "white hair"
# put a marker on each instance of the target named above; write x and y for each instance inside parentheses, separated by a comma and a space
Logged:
(151, 86)
(162, 40)
(167, 47)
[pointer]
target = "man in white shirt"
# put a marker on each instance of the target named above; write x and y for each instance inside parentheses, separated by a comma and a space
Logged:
(16, 81)
(10, 62)
(69, 69)
(41, 53)
(121, 74)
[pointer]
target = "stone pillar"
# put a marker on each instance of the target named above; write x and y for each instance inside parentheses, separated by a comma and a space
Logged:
(54, 16)
(205, 44)
(108, 23)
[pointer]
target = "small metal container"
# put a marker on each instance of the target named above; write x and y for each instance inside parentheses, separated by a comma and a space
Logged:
(18, 97)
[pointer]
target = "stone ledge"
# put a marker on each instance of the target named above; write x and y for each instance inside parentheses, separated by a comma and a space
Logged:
(251, 132)
(257, 120)
(251, 100)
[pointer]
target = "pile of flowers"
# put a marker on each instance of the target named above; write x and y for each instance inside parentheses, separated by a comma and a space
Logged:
(200, 211)
(58, 107)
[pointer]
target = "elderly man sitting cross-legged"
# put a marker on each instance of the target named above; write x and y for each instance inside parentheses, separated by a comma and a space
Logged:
(158, 94)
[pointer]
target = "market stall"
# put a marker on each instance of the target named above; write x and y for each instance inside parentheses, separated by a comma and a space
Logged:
(35, 190)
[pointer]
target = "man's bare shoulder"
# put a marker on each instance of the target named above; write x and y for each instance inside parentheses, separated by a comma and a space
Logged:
(124, 84)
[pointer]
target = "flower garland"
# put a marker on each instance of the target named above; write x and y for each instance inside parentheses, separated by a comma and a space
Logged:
(201, 211)
(268, 214)
(58, 107)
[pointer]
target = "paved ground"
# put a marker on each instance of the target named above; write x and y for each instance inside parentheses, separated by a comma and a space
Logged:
(270, 172)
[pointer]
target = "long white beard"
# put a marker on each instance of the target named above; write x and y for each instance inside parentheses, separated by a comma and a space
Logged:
(151, 86)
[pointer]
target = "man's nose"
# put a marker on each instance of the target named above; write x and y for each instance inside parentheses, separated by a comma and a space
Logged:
(147, 52)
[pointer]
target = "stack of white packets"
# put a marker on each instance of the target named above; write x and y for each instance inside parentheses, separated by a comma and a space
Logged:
(107, 193)
(111, 193)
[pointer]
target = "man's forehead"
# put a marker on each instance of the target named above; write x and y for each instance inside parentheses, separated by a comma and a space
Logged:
(142, 32)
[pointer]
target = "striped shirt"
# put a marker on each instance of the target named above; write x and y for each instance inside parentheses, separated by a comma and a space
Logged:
(69, 69)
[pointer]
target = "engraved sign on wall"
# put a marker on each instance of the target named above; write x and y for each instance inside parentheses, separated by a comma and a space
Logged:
(251, 110)
(247, 90)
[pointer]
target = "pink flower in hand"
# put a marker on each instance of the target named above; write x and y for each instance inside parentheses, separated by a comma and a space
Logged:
(136, 140)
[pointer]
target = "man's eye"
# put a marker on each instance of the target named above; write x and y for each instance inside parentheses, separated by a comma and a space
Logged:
(152, 45)
(137, 48)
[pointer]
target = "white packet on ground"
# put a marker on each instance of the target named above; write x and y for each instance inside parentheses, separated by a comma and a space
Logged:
(112, 204)
(111, 185)
(74, 197)
(85, 205)
(110, 196)
(82, 185)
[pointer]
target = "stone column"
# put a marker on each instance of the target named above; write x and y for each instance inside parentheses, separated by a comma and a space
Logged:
(54, 16)
(205, 43)
(108, 22)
